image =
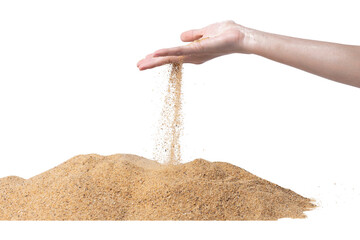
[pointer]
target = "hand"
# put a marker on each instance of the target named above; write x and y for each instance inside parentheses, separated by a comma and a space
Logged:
(207, 43)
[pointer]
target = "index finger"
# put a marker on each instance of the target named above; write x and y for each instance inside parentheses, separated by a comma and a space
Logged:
(190, 49)
(175, 51)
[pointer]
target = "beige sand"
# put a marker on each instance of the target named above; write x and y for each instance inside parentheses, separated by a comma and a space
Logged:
(168, 148)
(128, 187)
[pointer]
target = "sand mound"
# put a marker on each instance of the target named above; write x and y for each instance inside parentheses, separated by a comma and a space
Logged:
(128, 187)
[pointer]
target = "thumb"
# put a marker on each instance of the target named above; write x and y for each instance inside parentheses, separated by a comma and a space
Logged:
(191, 35)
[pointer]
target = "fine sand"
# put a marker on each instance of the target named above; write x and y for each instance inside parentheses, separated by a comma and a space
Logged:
(129, 187)
(167, 143)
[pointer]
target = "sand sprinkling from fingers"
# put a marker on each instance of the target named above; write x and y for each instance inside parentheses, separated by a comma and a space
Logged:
(167, 145)
(130, 187)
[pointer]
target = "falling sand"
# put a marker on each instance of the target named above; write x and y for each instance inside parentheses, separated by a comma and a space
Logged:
(128, 187)
(167, 148)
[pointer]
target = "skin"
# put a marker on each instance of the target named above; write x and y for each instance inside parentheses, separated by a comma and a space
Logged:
(333, 61)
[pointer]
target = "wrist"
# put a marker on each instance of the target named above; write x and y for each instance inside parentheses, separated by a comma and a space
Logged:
(249, 43)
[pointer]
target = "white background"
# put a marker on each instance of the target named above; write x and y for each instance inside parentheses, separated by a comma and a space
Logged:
(69, 85)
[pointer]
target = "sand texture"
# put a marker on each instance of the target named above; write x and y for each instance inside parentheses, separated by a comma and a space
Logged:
(128, 187)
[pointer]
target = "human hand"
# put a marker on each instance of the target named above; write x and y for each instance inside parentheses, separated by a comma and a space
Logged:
(207, 43)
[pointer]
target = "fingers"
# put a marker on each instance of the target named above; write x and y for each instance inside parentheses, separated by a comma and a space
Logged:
(176, 51)
(151, 62)
(143, 60)
(191, 35)
(169, 55)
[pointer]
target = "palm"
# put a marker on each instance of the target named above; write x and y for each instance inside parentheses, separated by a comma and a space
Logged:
(210, 42)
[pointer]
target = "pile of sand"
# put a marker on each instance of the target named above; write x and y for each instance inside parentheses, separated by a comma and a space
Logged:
(128, 187)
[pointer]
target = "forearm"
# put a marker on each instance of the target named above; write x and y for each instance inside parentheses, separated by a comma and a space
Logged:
(337, 62)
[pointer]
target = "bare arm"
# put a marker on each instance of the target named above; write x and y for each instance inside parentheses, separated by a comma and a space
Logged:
(334, 61)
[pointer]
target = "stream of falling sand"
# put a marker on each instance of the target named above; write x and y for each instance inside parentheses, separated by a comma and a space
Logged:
(167, 146)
